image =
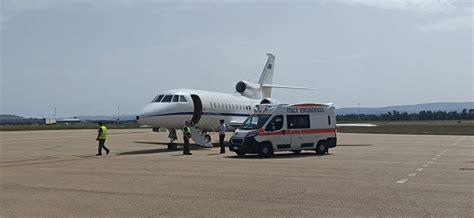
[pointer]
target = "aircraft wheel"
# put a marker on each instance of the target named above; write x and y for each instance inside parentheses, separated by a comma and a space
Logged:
(172, 146)
(321, 148)
(208, 138)
(265, 150)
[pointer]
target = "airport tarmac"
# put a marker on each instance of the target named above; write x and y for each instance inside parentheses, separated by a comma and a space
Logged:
(56, 173)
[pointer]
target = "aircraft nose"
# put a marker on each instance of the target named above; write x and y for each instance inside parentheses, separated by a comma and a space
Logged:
(148, 115)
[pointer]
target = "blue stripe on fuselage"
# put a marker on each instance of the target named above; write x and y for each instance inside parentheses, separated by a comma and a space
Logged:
(205, 113)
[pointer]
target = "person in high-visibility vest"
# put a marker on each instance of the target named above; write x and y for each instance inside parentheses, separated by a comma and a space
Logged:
(101, 137)
(186, 136)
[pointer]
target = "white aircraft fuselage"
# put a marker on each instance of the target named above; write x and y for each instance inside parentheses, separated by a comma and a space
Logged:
(203, 108)
(170, 109)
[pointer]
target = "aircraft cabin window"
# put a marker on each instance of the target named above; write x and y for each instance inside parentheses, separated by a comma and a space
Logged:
(175, 98)
(158, 98)
(167, 98)
(182, 98)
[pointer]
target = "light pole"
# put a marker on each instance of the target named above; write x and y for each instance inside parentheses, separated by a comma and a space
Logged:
(358, 111)
(118, 113)
(54, 114)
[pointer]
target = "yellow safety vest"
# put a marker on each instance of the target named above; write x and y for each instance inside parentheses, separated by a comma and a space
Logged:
(103, 135)
(186, 130)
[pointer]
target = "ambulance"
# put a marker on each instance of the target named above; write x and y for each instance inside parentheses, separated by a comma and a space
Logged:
(284, 127)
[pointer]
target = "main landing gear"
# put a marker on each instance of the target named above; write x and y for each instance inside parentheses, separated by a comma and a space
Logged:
(173, 137)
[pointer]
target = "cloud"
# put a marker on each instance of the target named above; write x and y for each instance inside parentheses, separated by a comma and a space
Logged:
(449, 24)
(10, 8)
(425, 6)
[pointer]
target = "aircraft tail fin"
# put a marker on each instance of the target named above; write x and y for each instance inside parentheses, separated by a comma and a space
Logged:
(266, 79)
(267, 76)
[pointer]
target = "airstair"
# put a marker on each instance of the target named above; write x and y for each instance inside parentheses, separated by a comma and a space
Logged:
(199, 137)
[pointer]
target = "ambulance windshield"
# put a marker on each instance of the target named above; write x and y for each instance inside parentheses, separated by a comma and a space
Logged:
(255, 121)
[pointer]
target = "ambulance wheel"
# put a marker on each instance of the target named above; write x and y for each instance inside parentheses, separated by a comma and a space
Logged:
(265, 150)
(240, 153)
(296, 151)
(321, 148)
(208, 138)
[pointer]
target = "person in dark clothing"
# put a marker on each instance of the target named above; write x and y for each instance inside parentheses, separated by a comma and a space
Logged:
(101, 137)
(222, 129)
(186, 136)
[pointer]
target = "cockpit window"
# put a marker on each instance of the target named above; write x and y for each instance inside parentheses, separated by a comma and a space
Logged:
(157, 98)
(167, 98)
(182, 99)
(175, 98)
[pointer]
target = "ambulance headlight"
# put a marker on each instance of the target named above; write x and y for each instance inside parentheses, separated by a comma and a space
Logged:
(252, 134)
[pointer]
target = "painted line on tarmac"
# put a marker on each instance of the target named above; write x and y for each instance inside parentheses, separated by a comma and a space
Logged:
(419, 169)
(458, 141)
(401, 181)
(425, 165)
(412, 174)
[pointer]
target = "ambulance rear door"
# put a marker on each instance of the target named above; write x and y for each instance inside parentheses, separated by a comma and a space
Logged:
(297, 124)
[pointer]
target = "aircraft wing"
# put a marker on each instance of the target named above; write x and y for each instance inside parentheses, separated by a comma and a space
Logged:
(356, 125)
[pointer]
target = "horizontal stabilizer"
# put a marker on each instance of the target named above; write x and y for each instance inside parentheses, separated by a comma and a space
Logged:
(356, 125)
(286, 87)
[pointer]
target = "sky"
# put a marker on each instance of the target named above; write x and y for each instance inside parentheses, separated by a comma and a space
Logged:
(89, 57)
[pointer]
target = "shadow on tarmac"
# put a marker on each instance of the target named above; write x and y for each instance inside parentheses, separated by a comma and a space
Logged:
(152, 143)
(148, 151)
(158, 150)
(280, 156)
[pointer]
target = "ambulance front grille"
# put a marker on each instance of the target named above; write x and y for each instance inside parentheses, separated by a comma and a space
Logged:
(237, 141)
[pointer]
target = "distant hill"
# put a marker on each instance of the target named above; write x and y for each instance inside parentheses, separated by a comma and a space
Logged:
(122, 117)
(445, 106)
(9, 117)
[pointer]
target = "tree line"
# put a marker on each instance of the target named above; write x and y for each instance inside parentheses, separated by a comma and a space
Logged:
(465, 114)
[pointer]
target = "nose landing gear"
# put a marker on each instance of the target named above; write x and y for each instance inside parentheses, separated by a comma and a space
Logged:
(173, 137)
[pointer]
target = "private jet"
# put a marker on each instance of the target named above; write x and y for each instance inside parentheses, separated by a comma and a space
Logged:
(170, 109)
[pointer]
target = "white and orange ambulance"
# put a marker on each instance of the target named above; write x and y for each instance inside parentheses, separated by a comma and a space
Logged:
(284, 127)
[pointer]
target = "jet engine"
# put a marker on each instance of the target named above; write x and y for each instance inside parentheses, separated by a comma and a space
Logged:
(248, 89)
(269, 101)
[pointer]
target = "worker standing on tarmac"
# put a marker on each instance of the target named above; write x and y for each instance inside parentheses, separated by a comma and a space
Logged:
(101, 137)
(186, 136)
(222, 129)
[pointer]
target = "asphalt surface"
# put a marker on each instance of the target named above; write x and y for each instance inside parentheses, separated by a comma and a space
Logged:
(56, 173)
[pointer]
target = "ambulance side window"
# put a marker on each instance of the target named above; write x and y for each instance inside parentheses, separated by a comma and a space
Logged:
(298, 121)
(275, 124)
